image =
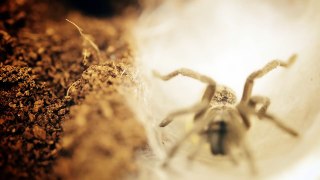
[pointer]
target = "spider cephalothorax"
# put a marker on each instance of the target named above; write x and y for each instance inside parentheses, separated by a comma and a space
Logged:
(223, 96)
(219, 119)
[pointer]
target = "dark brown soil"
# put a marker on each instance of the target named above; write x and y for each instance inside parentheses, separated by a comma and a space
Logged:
(59, 108)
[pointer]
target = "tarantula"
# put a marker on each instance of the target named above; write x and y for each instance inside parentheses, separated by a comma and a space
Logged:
(219, 120)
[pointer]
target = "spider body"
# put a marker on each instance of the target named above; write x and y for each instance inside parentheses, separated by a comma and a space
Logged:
(217, 133)
(219, 119)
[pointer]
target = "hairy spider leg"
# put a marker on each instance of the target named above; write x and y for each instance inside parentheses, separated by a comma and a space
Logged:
(199, 108)
(280, 124)
(264, 101)
(195, 108)
(188, 73)
(247, 91)
(197, 128)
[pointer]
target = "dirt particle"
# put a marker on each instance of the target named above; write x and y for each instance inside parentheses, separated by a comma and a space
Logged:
(39, 132)
(31, 117)
(37, 105)
(27, 133)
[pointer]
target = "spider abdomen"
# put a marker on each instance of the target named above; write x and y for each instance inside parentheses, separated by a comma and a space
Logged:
(216, 135)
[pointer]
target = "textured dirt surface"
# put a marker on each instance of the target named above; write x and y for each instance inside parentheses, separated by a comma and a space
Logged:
(61, 113)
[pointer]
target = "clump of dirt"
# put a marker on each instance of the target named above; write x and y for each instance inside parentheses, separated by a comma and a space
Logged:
(13, 14)
(30, 110)
(102, 136)
(41, 60)
(30, 119)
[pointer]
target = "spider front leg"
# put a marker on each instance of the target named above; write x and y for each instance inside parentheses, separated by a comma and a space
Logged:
(188, 73)
(199, 108)
(260, 73)
(196, 108)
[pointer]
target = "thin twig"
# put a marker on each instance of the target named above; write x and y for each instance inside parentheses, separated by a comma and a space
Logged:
(86, 38)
